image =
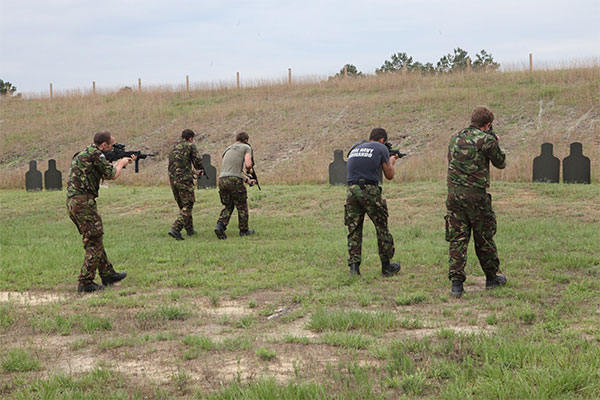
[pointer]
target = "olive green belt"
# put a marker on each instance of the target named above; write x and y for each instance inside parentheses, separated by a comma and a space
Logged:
(465, 190)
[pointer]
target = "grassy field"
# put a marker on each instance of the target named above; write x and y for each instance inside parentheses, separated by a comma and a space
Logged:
(294, 129)
(275, 315)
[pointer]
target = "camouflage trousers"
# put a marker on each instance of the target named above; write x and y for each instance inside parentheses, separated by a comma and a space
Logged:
(466, 213)
(361, 200)
(185, 198)
(233, 194)
(84, 213)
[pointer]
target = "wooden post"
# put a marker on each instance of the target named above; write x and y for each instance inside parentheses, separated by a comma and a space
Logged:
(94, 88)
(187, 83)
(238, 80)
(50, 90)
(346, 71)
(404, 67)
(468, 64)
(530, 63)
(290, 76)
(139, 84)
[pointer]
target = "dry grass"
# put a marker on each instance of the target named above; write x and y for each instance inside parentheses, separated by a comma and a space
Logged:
(295, 129)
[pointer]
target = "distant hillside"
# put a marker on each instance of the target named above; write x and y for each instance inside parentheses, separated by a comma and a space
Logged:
(294, 129)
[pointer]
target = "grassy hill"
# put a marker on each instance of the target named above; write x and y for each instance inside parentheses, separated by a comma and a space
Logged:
(295, 128)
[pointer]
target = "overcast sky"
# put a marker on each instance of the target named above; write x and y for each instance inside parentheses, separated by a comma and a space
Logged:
(113, 42)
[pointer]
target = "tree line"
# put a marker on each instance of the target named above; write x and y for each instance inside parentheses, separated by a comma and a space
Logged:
(457, 61)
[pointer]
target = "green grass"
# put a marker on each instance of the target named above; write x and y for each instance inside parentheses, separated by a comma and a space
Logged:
(202, 304)
(19, 360)
(347, 340)
(266, 354)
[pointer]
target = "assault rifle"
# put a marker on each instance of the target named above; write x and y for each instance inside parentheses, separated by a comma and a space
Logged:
(394, 152)
(119, 152)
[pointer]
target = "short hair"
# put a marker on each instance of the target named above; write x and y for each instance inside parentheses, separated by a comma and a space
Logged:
(378, 133)
(102, 137)
(481, 116)
(242, 137)
(187, 134)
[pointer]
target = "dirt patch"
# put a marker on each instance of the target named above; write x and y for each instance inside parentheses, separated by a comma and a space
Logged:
(228, 308)
(30, 298)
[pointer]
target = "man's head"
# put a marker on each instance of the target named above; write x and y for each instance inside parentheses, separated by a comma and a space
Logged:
(187, 134)
(377, 134)
(242, 137)
(482, 116)
(104, 141)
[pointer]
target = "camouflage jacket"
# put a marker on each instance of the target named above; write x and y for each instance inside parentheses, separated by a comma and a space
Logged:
(469, 155)
(87, 169)
(182, 157)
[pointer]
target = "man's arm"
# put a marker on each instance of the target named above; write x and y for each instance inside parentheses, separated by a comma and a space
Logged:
(494, 152)
(121, 164)
(196, 160)
(248, 162)
(388, 168)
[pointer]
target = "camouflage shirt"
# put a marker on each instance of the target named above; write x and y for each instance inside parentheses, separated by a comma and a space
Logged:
(469, 155)
(182, 157)
(87, 169)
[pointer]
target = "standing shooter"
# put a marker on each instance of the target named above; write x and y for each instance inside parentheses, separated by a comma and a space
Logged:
(364, 196)
(469, 206)
(182, 158)
(87, 169)
(236, 158)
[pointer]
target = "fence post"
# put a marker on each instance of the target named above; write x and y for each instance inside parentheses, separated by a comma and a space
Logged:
(346, 71)
(139, 84)
(530, 63)
(290, 76)
(468, 64)
(404, 67)
(238, 80)
(50, 90)
(94, 88)
(187, 83)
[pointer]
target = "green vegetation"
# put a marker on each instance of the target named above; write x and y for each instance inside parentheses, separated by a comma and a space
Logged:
(195, 316)
(19, 360)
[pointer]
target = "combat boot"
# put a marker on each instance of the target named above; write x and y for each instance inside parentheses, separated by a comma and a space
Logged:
(247, 232)
(493, 281)
(355, 269)
(388, 269)
(114, 278)
(220, 230)
(89, 288)
(190, 232)
(457, 289)
(175, 234)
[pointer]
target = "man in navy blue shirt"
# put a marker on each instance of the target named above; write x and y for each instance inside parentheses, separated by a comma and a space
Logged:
(364, 196)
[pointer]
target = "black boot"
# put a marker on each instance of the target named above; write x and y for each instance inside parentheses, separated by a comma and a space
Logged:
(116, 277)
(247, 232)
(190, 232)
(90, 287)
(354, 269)
(494, 281)
(175, 234)
(457, 289)
(220, 230)
(388, 269)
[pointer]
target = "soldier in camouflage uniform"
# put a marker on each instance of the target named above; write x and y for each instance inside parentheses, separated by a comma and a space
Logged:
(236, 158)
(87, 169)
(364, 196)
(182, 158)
(469, 206)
